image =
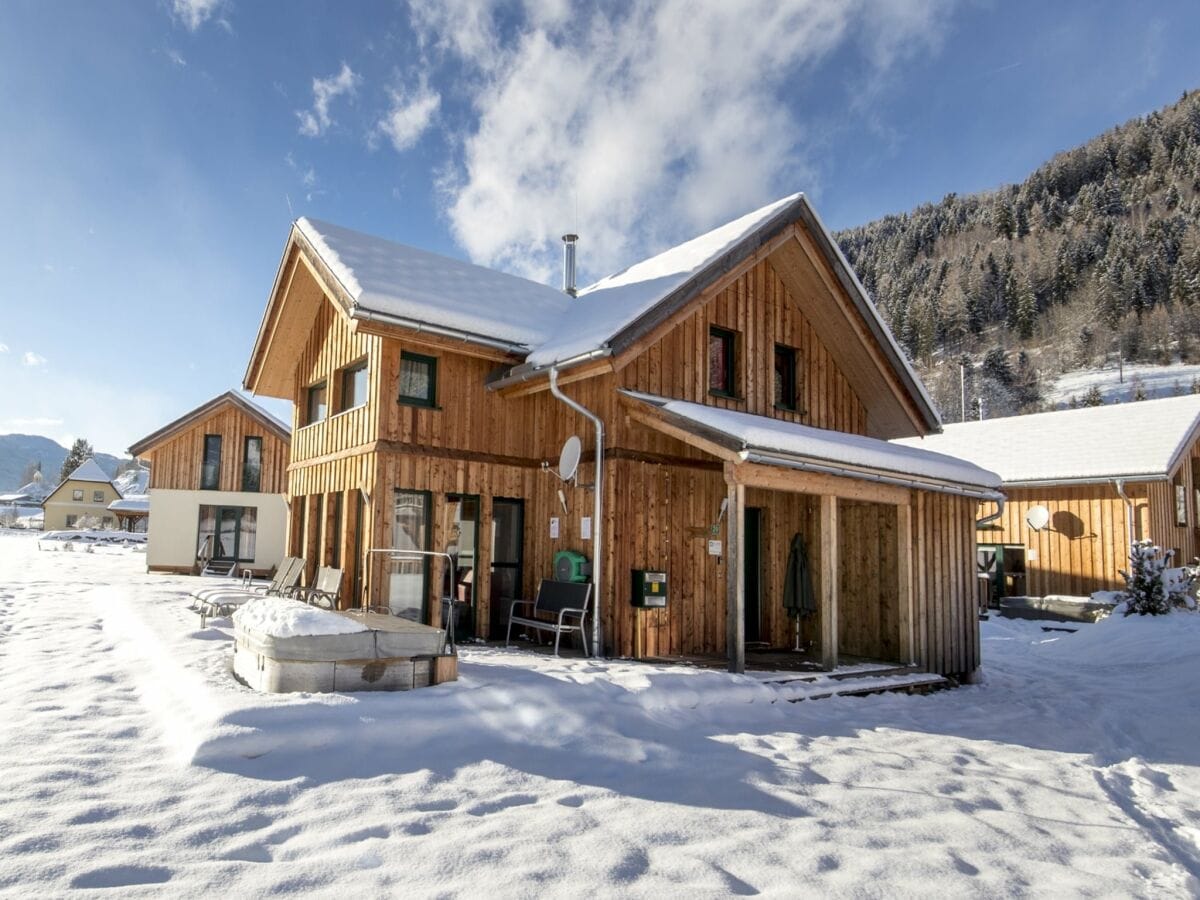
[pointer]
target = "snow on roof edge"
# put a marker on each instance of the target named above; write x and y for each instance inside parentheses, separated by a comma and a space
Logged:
(809, 442)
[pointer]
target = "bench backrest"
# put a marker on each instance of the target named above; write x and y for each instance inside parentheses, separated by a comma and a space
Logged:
(555, 596)
(329, 580)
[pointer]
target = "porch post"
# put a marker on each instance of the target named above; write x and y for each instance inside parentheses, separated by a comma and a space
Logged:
(735, 573)
(828, 567)
(904, 575)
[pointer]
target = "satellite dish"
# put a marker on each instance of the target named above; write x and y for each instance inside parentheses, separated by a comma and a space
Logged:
(1037, 518)
(568, 460)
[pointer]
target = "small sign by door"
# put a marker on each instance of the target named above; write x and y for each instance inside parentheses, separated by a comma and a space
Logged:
(554, 528)
(714, 548)
(585, 528)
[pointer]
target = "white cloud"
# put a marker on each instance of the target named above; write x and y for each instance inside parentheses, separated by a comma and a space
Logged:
(32, 360)
(194, 13)
(314, 122)
(642, 126)
(411, 113)
(3, 348)
(175, 56)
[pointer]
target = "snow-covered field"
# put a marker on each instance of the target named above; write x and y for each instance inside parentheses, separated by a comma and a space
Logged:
(1156, 381)
(133, 761)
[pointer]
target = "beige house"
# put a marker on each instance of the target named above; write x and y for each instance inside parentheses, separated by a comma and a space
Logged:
(217, 476)
(84, 495)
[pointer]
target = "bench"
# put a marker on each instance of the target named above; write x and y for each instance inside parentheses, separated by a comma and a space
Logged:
(561, 599)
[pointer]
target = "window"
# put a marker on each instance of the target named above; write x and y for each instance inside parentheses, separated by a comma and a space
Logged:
(315, 410)
(77, 494)
(786, 389)
(210, 467)
(418, 379)
(227, 532)
(1180, 501)
(106, 521)
(354, 386)
(1196, 486)
(721, 350)
(97, 496)
(252, 465)
(71, 520)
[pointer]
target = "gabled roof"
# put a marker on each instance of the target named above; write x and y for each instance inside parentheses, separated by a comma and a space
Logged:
(775, 442)
(603, 309)
(384, 277)
(89, 470)
(231, 398)
(1141, 441)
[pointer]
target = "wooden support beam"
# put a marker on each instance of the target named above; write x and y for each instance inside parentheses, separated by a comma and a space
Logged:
(904, 577)
(735, 578)
(827, 567)
(779, 478)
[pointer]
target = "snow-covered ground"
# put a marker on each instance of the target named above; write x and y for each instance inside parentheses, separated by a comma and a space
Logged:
(1157, 381)
(131, 758)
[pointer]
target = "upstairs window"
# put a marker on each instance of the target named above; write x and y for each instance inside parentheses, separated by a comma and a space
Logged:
(722, 347)
(210, 467)
(1181, 510)
(316, 406)
(97, 496)
(354, 386)
(77, 494)
(252, 465)
(785, 377)
(418, 379)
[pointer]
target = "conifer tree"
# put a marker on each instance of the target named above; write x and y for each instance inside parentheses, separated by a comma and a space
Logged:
(79, 453)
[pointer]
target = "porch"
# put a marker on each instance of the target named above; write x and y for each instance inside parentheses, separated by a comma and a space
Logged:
(884, 535)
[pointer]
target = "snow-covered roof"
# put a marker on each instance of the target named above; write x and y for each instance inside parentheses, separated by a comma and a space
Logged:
(131, 503)
(18, 497)
(1134, 441)
(605, 307)
(150, 441)
(382, 276)
(751, 434)
(89, 470)
(132, 482)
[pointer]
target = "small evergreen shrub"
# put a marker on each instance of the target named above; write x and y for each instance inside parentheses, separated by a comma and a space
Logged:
(1146, 590)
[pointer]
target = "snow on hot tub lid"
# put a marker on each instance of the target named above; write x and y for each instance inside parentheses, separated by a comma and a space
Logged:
(280, 617)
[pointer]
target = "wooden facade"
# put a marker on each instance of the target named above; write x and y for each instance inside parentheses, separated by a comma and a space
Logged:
(894, 565)
(1086, 544)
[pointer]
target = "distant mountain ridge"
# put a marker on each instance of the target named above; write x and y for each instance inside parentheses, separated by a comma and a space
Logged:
(19, 450)
(1091, 260)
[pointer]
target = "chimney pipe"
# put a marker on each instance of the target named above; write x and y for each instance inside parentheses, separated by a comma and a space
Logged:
(569, 263)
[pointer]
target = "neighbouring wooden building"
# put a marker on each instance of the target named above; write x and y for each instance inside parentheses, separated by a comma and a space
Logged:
(746, 388)
(217, 480)
(81, 499)
(1104, 476)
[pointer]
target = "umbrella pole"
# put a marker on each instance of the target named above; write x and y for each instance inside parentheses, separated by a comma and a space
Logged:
(797, 647)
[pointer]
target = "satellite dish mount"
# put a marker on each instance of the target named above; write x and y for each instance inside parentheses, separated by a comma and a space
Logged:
(568, 460)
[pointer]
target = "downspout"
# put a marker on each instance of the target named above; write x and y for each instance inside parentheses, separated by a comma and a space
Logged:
(597, 509)
(988, 520)
(1119, 484)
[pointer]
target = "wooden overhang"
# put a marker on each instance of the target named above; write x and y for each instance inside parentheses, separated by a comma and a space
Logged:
(229, 398)
(757, 466)
(302, 282)
(802, 251)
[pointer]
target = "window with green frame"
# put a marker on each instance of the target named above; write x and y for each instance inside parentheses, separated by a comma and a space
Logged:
(722, 350)
(210, 464)
(252, 465)
(418, 379)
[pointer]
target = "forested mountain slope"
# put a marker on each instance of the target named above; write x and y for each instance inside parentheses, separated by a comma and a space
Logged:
(1094, 258)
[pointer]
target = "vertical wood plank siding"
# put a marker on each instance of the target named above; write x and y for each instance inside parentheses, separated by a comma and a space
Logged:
(175, 464)
(662, 496)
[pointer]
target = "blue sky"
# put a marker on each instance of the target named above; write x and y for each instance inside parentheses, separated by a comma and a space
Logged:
(154, 153)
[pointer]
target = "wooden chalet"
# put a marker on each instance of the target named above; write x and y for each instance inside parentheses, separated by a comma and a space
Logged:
(1104, 476)
(217, 479)
(745, 388)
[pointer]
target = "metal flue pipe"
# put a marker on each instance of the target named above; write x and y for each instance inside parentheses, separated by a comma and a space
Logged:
(569, 263)
(597, 510)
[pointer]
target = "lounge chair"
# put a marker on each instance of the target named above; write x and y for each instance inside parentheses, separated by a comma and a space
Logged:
(324, 592)
(222, 601)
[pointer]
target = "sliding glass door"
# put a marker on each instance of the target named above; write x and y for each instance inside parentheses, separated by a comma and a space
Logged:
(408, 585)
